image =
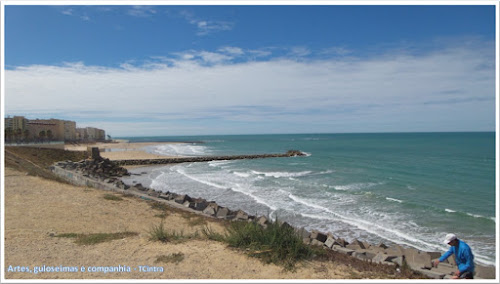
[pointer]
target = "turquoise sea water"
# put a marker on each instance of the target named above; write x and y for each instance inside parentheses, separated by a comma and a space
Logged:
(405, 188)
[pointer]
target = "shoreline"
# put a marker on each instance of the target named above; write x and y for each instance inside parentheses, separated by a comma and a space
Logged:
(31, 238)
(124, 153)
(123, 150)
(393, 255)
(127, 155)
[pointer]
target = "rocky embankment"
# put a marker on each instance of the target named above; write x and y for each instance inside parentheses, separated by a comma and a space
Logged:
(107, 173)
(290, 153)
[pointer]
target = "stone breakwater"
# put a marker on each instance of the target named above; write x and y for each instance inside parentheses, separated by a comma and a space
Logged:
(105, 174)
(290, 153)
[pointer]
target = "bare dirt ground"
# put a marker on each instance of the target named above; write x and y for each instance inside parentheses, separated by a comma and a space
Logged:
(37, 210)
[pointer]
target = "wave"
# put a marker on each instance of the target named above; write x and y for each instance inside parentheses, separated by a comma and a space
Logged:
(236, 188)
(201, 180)
(394, 199)
(282, 174)
(471, 215)
(367, 226)
(219, 163)
(181, 149)
(244, 175)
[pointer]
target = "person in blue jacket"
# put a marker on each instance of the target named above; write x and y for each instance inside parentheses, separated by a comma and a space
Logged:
(463, 257)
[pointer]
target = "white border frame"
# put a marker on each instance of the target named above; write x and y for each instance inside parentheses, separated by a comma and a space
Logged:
(238, 3)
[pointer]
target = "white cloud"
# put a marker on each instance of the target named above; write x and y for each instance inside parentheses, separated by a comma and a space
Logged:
(299, 51)
(68, 12)
(449, 89)
(141, 11)
(336, 50)
(205, 27)
(231, 50)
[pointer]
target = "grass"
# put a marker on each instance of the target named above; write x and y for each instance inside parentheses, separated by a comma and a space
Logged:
(67, 235)
(160, 233)
(163, 208)
(112, 197)
(277, 243)
(159, 206)
(194, 220)
(92, 239)
(171, 258)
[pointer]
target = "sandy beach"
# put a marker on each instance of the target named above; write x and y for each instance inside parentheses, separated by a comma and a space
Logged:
(122, 150)
(38, 209)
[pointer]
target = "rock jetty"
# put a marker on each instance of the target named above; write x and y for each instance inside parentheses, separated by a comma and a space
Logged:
(105, 174)
(290, 153)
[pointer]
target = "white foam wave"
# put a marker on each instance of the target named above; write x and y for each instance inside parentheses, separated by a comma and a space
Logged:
(481, 216)
(244, 175)
(307, 154)
(236, 188)
(394, 199)
(218, 163)
(181, 149)
(240, 189)
(182, 172)
(449, 210)
(367, 226)
(282, 174)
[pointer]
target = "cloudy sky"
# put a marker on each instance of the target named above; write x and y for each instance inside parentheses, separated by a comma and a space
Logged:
(189, 70)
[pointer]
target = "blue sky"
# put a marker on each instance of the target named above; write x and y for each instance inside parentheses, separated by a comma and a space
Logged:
(188, 70)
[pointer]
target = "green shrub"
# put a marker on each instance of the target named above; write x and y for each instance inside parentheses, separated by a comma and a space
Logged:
(276, 243)
(92, 239)
(108, 196)
(174, 258)
(160, 233)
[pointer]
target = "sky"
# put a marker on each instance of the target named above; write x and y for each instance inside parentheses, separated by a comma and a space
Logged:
(208, 70)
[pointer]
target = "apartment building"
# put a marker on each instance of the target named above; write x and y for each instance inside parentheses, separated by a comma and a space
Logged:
(18, 127)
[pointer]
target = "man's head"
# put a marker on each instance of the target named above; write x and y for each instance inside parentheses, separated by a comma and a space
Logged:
(451, 239)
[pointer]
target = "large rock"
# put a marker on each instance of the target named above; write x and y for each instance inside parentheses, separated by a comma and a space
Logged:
(222, 213)
(356, 245)
(341, 242)
(199, 206)
(304, 233)
(181, 199)
(485, 272)
(395, 250)
(342, 250)
(315, 242)
(431, 274)
(329, 242)
(417, 259)
(363, 255)
(398, 260)
(381, 258)
(316, 235)
(209, 211)
(262, 220)
(241, 215)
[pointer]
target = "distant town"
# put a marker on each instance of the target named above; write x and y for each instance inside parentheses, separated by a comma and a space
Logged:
(19, 129)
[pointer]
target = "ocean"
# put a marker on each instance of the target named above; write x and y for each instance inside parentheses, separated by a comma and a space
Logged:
(397, 188)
